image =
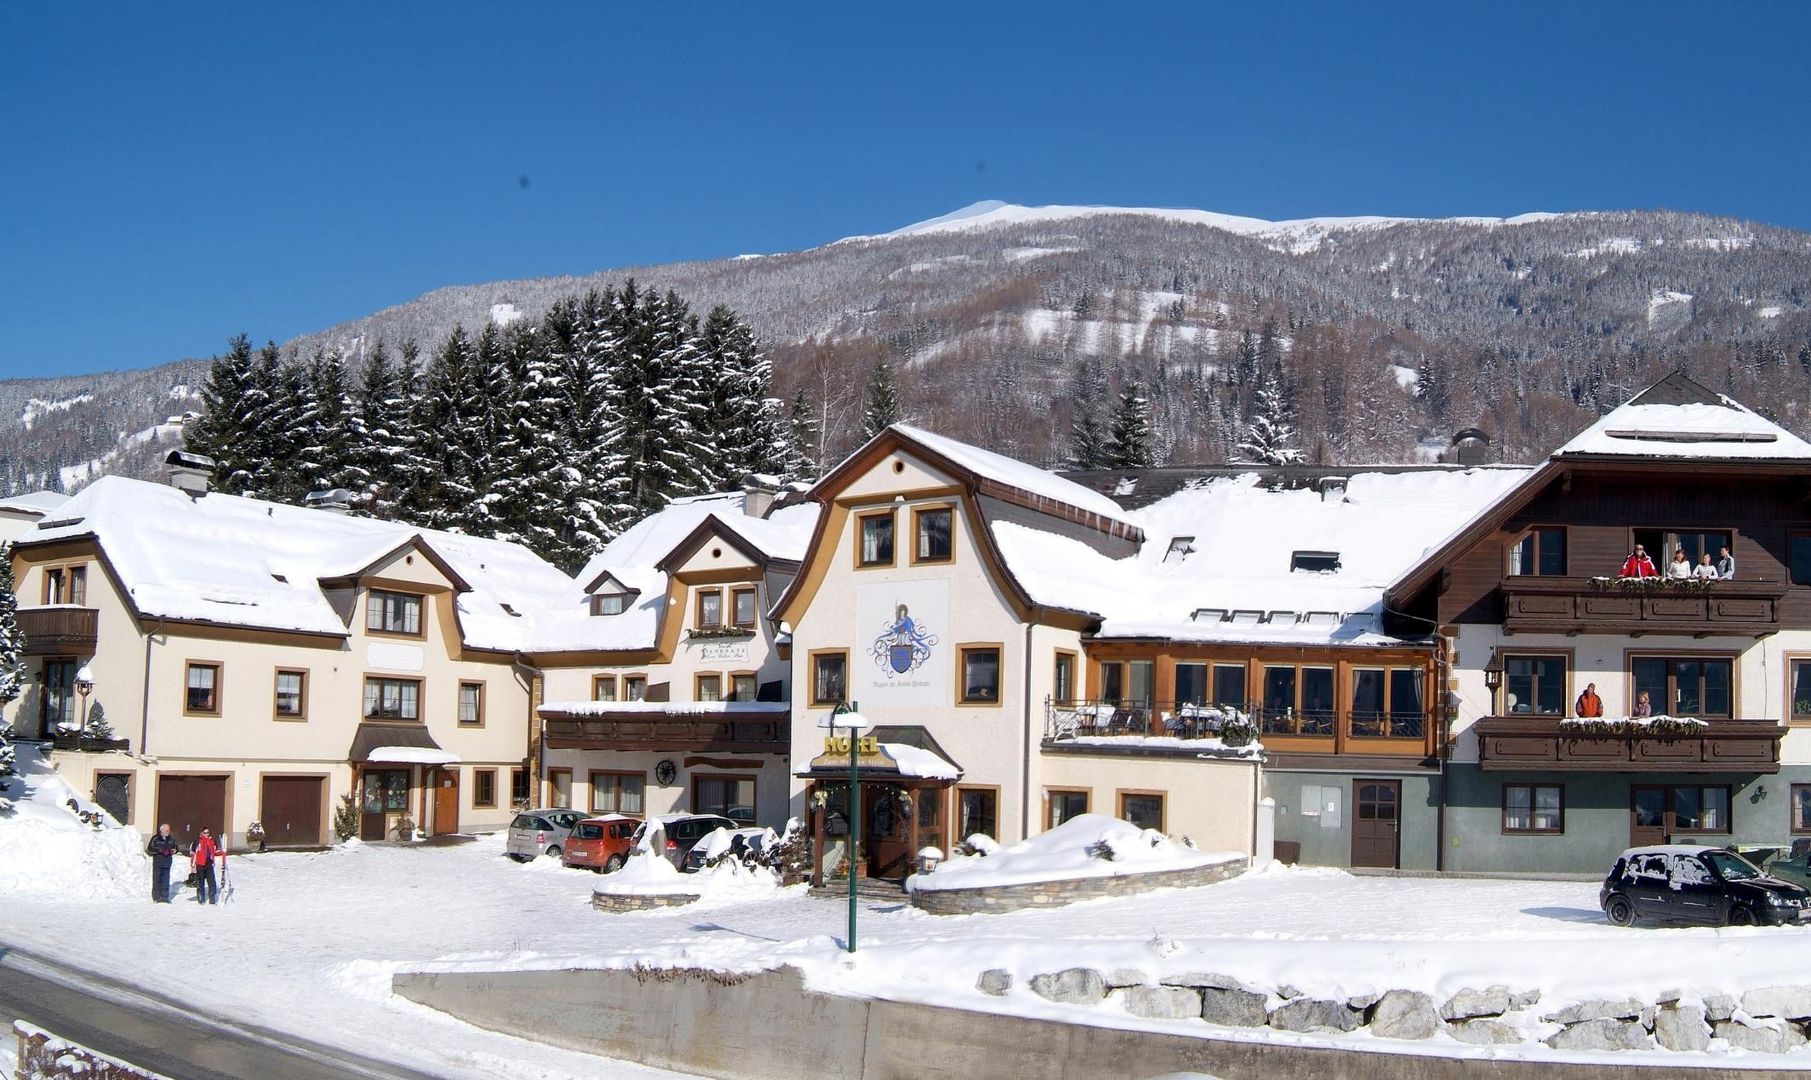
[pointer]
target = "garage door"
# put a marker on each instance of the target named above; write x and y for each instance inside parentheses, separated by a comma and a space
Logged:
(189, 804)
(291, 811)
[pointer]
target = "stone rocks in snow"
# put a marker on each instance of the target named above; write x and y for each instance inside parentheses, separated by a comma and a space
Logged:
(995, 981)
(1524, 999)
(1786, 1002)
(1467, 1003)
(1602, 1034)
(1309, 1014)
(1719, 1006)
(1119, 977)
(1484, 1032)
(1775, 1039)
(1201, 979)
(1627, 1009)
(1161, 1002)
(1071, 986)
(1361, 1002)
(1681, 1027)
(1404, 1014)
(1232, 1007)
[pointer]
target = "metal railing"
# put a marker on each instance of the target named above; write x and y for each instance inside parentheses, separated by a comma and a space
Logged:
(1094, 718)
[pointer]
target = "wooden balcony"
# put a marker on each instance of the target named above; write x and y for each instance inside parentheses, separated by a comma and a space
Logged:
(1546, 743)
(1316, 731)
(1572, 605)
(768, 733)
(59, 631)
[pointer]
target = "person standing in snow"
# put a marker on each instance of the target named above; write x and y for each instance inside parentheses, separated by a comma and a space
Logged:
(162, 850)
(1705, 569)
(1680, 568)
(1589, 704)
(1638, 565)
(1726, 565)
(202, 853)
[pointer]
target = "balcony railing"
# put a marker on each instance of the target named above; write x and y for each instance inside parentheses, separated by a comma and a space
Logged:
(768, 734)
(1640, 606)
(59, 631)
(1551, 742)
(1186, 720)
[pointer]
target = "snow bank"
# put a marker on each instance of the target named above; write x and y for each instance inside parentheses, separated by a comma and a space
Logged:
(45, 848)
(1086, 846)
(648, 874)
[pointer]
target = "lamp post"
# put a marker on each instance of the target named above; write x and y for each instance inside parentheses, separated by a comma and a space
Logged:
(84, 685)
(845, 718)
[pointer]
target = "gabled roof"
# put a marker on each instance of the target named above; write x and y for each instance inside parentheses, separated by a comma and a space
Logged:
(1677, 418)
(33, 503)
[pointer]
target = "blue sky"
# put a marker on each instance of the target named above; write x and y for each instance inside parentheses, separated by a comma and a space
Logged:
(173, 174)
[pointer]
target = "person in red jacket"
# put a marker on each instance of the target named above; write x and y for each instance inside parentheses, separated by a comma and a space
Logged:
(203, 853)
(1639, 565)
(1589, 704)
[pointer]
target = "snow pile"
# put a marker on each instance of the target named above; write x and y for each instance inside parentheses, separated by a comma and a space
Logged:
(646, 873)
(45, 848)
(1085, 846)
(649, 874)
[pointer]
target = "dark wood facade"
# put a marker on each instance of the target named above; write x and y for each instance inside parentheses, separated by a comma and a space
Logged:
(1548, 743)
(59, 631)
(1592, 605)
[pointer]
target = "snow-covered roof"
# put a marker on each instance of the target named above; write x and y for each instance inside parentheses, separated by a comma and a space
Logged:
(35, 503)
(1012, 473)
(411, 755)
(1678, 418)
(1237, 582)
(918, 762)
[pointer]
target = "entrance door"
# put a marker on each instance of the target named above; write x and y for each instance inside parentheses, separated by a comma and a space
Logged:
(886, 834)
(1376, 822)
(383, 802)
(1647, 816)
(56, 705)
(446, 801)
(189, 804)
(291, 811)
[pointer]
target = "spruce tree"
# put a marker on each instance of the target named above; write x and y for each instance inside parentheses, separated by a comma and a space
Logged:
(220, 431)
(1129, 438)
(882, 408)
(382, 436)
(798, 455)
(444, 415)
(326, 428)
(12, 667)
(526, 489)
(1087, 440)
(748, 419)
(1270, 439)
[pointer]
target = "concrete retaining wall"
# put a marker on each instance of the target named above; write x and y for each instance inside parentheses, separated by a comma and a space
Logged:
(765, 1026)
(1056, 893)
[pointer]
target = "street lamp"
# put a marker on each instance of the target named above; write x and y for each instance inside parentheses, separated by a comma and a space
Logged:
(84, 685)
(844, 718)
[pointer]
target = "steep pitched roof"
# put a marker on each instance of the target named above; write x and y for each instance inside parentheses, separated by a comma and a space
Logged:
(1677, 418)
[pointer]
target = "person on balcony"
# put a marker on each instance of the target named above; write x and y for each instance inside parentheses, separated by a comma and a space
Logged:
(1589, 704)
(1644, 705)
(1705, 568)
(1726, 565)
(1638, 565)
(1680, 569)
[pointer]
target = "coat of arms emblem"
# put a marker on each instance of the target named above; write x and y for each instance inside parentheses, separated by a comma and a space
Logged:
(903, 645)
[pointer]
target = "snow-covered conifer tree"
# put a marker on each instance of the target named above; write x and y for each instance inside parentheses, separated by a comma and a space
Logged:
(1129, 437)
(881, 410)
(12, 667)
(1270, 439)
(220, 431)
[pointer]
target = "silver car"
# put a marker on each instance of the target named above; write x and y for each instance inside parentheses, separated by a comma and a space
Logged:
(540, 832)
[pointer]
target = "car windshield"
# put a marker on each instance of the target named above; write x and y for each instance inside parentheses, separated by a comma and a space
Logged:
(1731, 867)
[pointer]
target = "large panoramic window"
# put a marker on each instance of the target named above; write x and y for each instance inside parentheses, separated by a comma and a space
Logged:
(1534, 808)
(1191, 684)
(1229, 686)
(393, 613)
(1540, 551)
(1534, 685)
(1297, 700)
(1684, 686)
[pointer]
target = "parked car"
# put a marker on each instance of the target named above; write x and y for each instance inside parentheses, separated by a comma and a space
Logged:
(737, 842)
(536, 832)
(1678, 884)
(601, 843)
(683, 831)
(1776, 862)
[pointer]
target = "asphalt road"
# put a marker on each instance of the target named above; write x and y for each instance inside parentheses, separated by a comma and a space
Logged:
(161, 1035)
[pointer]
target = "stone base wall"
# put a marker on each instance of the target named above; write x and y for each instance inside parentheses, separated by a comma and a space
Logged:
(634, 902)
(43, 1056)
(1057, 893)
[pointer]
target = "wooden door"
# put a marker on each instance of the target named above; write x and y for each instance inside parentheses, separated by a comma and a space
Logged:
(886, 834)
(291, 811)
(446, 801)
(1376, 822)
(189, 804)
(1648, 823)
(384, 802)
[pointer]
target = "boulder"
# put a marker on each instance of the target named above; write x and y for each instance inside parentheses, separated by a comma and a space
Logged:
(1602, 1034)
(1786, 1002)
(1524, 999)
(1119, 977)
(1484, 1032)
(995, 981)
(1627, 1009)
(1719, 1006)
(1160, 1002)
(1070, 986)
(1361, 1002)
(1234, 1008)
(1287, 992)
(1467, 1003)
(1405, 1014)
(1776, 1039)
(1681, 1028)
(1201, 979)
(1311, 1014)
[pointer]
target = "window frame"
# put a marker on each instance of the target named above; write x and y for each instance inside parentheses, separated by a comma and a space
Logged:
(955, 822)
(69, 578)
(918, 515)
(734, 677)
(698, 620)
(459, 704)
(420, 699)
(1729, 808)
(637, 678)
(735, 604)
(811, 663)
(478, 778)
(1674, 656)
(698, 680)
(963, 649)
(1796, 829)
(421, 613)
(521, 778)
(1669, 539)
(1565, 552)
(1087, 795)
(601, 681)
(861, 533)
(1566, 656)
(219, 670)
(597, 603)
(1297, 711)
(553, 785)
(1508, 830)
(1163, 805)
(276, 691)
(1064, 659)
(754, 793)
(616, 789)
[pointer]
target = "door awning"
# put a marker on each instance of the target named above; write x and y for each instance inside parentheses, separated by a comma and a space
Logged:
(399, 744)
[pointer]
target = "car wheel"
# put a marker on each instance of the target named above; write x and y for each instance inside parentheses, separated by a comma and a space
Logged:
(1741, 916)
(1620, 911)
(613, 864)
(553, 850)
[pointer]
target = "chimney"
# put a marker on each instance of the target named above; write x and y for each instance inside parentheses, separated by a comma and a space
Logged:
(333, 500)
(1333, 488)
(191, 474)
(1471, 447)
(758, 493)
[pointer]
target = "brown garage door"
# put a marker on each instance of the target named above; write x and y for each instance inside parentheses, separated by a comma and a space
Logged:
(291, 812)
(189, 804)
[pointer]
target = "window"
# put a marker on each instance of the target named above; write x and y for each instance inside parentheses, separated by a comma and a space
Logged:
(1661, 543)
(471, 703)
(1684, 686)
(635, 687)
(1314, 562)
(1700, 809)
(203, 690)
(1229, 685)
(1386, 703)
(1534, 685)
(66, 585)
(559, 787)
(731, 796)
(1540, 552)
(1181, 547)
(1799, 555)
(1534, 808)
(932, 527)
(876, 540)
(980, 675)
(1297, 701)
(484, 788)
(292, 694)
(393, 613)
(1127, 682)
(519, 787)
(1065, 805)
(618, 793)
(610, 603)
(742, 688)
(708, 688)
(744, 604)
(56, 706)
(1142, 808)
(977, 812)
(1062, 683)
(392, 699)
(1801, 808)
(1191, 684)
(829, 678)
(603, 688)
(710, 608)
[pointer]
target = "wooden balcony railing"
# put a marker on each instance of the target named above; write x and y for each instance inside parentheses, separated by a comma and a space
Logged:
(59, 631)
(1541, 743)
(1576, 605)
(755, 735)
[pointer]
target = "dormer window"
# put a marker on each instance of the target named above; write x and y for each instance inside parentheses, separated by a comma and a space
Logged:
(1126, 486)
(393, 613)
(1315, 562)
(610, 603)
(1181, 547)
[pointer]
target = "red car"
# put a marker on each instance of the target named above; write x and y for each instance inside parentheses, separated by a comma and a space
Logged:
(600, 843)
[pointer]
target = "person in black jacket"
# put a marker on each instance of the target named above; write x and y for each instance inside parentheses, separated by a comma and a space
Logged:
(162, 850)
